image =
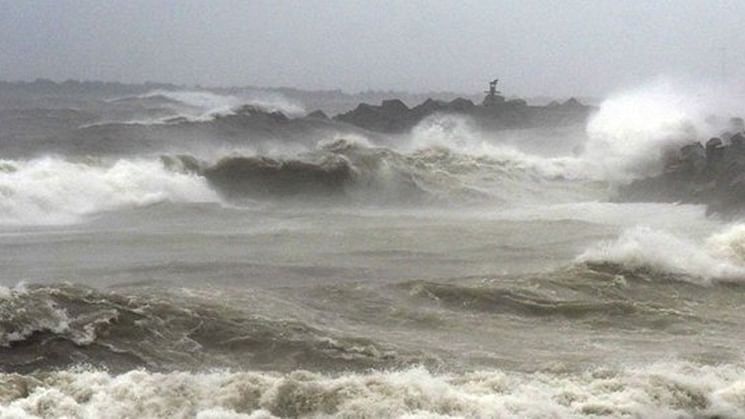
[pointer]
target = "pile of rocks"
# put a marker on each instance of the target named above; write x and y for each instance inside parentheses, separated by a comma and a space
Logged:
(393, 116)
(712, 173)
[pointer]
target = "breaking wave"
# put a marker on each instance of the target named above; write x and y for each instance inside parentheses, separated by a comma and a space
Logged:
(201, 106)
(381, 176)
(218, 103)
(633, 131)
(458, 134)
(662, 390)
(52, 190)
(628, 137)
(343, 169)
(718, 258)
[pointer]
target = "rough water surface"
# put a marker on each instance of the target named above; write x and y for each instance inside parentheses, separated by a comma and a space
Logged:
(196, 261)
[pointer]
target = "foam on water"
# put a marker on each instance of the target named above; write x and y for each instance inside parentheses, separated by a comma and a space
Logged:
(53, 190)
(662, 390)
(204, 106)
(719, 257)
(216, 104)
(633, 130)
(627, 138)
(458, 134)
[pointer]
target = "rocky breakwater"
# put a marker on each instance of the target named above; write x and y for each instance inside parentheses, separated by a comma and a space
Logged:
(394, 116)
(710, 173)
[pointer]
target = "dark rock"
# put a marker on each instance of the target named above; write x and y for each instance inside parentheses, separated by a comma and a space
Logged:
(429, 106)
(714, 154)
(713, 174)
(737, 140)
(491, 101)
(692, 159)
(394, 107)
(393, 116)
(460, 105)
(572, 103)
(714, 143)
(369, 117)
(517, 102)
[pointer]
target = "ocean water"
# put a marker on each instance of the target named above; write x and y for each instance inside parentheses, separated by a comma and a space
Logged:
(186, 261)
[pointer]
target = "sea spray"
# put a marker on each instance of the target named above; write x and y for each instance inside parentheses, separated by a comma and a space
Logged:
(720, 257)
(52, 190)
(210, 103)
(633, 130)
(460, 136)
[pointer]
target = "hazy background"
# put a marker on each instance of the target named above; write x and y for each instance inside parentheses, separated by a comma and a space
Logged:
(555, 48)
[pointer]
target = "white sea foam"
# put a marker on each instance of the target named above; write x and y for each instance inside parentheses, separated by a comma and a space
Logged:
(720, 257)
(627, 138)
(204, 106)
(633, 130)
(52, 190)
(662, 390)
(212, 104)
(458, 134)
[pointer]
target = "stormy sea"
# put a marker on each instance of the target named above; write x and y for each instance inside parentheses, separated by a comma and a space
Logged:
(186, 253)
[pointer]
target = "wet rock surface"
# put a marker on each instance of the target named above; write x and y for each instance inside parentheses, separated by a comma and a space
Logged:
(710, 173)
(393, 116)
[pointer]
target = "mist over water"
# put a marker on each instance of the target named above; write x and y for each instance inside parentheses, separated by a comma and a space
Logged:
(175, 254)
(633, 130)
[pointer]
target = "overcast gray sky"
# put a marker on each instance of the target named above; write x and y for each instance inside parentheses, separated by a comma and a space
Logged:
(561, 47)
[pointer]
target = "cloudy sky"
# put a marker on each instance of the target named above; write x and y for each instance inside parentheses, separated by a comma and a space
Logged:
(561, 47)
